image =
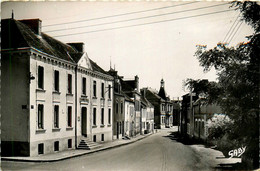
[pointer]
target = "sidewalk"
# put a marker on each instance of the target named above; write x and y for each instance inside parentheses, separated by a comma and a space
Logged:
(215, 157)
(62, 155)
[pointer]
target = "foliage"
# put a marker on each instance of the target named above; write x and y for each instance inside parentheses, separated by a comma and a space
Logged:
(218, 126)
(250, 12)
(237, 89)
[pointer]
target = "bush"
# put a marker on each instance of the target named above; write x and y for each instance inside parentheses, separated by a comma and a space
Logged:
(218, 126)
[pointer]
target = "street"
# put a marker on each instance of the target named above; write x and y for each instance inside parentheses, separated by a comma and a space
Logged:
(156, 152)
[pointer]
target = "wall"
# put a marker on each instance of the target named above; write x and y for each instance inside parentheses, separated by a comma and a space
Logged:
(83, 100)
(15, 103)
(150, 119)
(99, 103)
(118, 117)
(129, 118)
(137, 113)
(48, 97)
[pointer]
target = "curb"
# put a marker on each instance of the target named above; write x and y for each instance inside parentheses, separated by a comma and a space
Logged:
(73, 156)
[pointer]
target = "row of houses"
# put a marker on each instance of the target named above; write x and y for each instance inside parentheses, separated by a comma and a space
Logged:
(195, 116)
(54, 97)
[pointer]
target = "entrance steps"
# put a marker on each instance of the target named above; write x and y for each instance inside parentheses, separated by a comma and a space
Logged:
(87, 144)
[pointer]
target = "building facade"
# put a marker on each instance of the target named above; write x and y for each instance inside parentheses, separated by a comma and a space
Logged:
(49, 93)
(119, 106)
(129, 117)
(163, 106)
(131, 89)
(94, 100)
(202, 113)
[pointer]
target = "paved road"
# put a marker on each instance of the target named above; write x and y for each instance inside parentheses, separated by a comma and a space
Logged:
(157, 152)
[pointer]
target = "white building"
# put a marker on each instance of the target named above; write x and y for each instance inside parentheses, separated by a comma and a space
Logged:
(129, 116)
(45, 106)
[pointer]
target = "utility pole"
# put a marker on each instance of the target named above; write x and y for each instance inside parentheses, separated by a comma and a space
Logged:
(191, 113)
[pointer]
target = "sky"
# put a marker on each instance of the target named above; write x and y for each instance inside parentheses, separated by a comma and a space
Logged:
(153, 40)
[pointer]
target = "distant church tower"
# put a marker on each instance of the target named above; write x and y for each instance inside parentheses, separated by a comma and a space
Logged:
(162, 83)
(162, 92)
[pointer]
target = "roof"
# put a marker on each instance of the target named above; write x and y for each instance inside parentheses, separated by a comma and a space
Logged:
(15, 34)
(127, 98)
(162, 93)
(128, 85)
(152, 95)
(76, 56)
(146, 102)
(97, 68)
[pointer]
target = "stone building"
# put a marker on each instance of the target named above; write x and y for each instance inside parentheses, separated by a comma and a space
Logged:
(131, 89)
(148, 114)
(129, 117)
(48, 90)
(202, 113)
(118, 104)
(94, 99)
(163, 106)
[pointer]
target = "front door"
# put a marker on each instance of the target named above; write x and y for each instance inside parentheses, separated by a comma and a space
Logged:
(84, 121)
(117, 130)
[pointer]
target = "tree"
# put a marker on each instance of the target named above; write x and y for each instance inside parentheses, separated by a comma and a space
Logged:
(237, 89)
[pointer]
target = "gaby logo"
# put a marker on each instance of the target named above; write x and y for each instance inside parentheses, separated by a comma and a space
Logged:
(237, 152)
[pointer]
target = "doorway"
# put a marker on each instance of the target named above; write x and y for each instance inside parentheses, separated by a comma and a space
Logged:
(84, 121)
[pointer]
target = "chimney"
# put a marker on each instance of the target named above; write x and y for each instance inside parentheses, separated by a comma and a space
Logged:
(79, 46)
(143, 92)
(34, 24)
(137, 83)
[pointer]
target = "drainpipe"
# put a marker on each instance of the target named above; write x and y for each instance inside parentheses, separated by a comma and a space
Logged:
(76, 108)
(90, 106)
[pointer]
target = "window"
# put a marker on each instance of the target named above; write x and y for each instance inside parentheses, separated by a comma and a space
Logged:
(102, 90)
(56, 80)
(102, 116)
(40, 116)
(69, 83)
(56, 116)
(94, 116)
(40, 77)
(56, 146)
(94, 138)
(122, 107)
(40, 148)
(102, 137)
(69, 143)
(116, 107)
(94, 88)
(109, 91)
(109, 116)
(84, 85)
(69, 116)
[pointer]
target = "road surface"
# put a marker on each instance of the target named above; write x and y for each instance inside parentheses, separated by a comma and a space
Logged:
(158, 152)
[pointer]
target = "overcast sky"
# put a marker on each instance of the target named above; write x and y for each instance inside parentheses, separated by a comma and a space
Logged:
(153, 40)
